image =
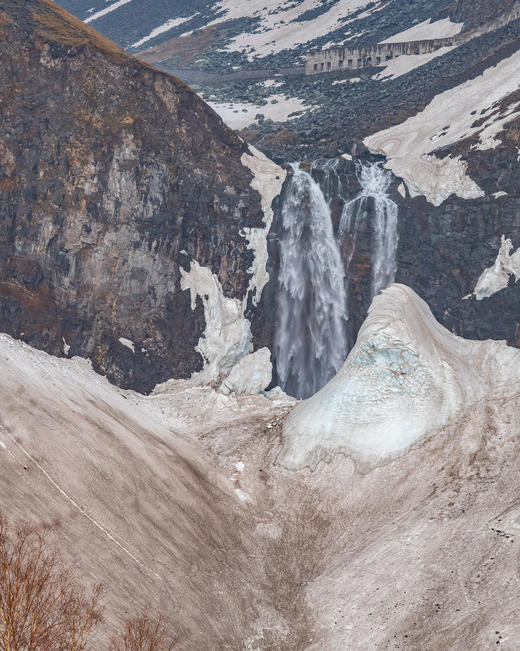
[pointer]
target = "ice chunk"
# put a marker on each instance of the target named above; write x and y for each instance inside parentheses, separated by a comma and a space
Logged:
(251, 375)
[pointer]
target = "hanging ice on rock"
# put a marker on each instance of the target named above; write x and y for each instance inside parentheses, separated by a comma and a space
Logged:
(406, 378)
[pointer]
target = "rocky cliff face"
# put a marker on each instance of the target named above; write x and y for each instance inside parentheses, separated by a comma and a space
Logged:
(113, 176)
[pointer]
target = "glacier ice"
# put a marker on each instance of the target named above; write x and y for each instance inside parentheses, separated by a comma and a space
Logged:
(406, 378)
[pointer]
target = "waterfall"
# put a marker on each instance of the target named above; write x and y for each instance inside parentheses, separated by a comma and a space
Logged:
(311, 335)
(310, 341)
(375, 181)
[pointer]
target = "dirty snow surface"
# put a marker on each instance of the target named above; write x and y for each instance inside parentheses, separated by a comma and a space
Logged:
(183, 499)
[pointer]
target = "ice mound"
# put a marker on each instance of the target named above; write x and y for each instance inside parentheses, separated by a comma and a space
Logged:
(406, 377)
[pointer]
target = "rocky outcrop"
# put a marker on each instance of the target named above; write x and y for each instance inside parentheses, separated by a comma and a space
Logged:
(475, 13)
(113, 177)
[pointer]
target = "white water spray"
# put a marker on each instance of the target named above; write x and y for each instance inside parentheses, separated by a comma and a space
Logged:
(310, 342)
(375, 181)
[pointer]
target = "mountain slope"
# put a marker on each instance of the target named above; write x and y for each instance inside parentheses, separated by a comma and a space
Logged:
(135, 506)
(113, 176)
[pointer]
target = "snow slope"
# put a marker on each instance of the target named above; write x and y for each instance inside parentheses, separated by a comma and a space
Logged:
(427, 30)
(406, 377)
(281, 25)
(136, 506)
(176, 500)
(278, 24)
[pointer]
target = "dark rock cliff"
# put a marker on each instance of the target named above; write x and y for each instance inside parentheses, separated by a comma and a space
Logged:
(112, 174)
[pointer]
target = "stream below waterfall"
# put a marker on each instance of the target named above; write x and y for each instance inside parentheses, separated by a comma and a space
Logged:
(311, 334)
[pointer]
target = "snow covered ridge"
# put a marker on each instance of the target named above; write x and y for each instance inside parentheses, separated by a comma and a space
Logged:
(227, 338)
(406, 378)
(476, 107)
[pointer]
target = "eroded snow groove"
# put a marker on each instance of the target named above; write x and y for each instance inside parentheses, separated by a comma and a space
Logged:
(310, 342)
(375, 181)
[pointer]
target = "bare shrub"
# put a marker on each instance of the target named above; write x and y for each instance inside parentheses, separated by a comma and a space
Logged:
(144, 633)
(42, 606)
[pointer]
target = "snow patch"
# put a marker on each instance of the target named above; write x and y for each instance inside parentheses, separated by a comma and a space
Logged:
(495, 278)
(227, 337)
(107, 10)
(128, 343)
(427, 31)
(242, 115)
(271, 83)
(268, 181)
(2, 445)
(242, 496)
(406, 378)
(401, 65)
(165, 27)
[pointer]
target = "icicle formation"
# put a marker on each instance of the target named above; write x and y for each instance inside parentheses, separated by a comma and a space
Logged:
(375, 181)
(310, 343)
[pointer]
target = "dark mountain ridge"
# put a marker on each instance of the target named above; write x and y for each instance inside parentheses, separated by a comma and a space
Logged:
(112, 174)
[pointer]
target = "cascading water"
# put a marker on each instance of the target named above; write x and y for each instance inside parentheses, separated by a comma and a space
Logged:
(311, 336)
(310, 342)
(375, 181)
